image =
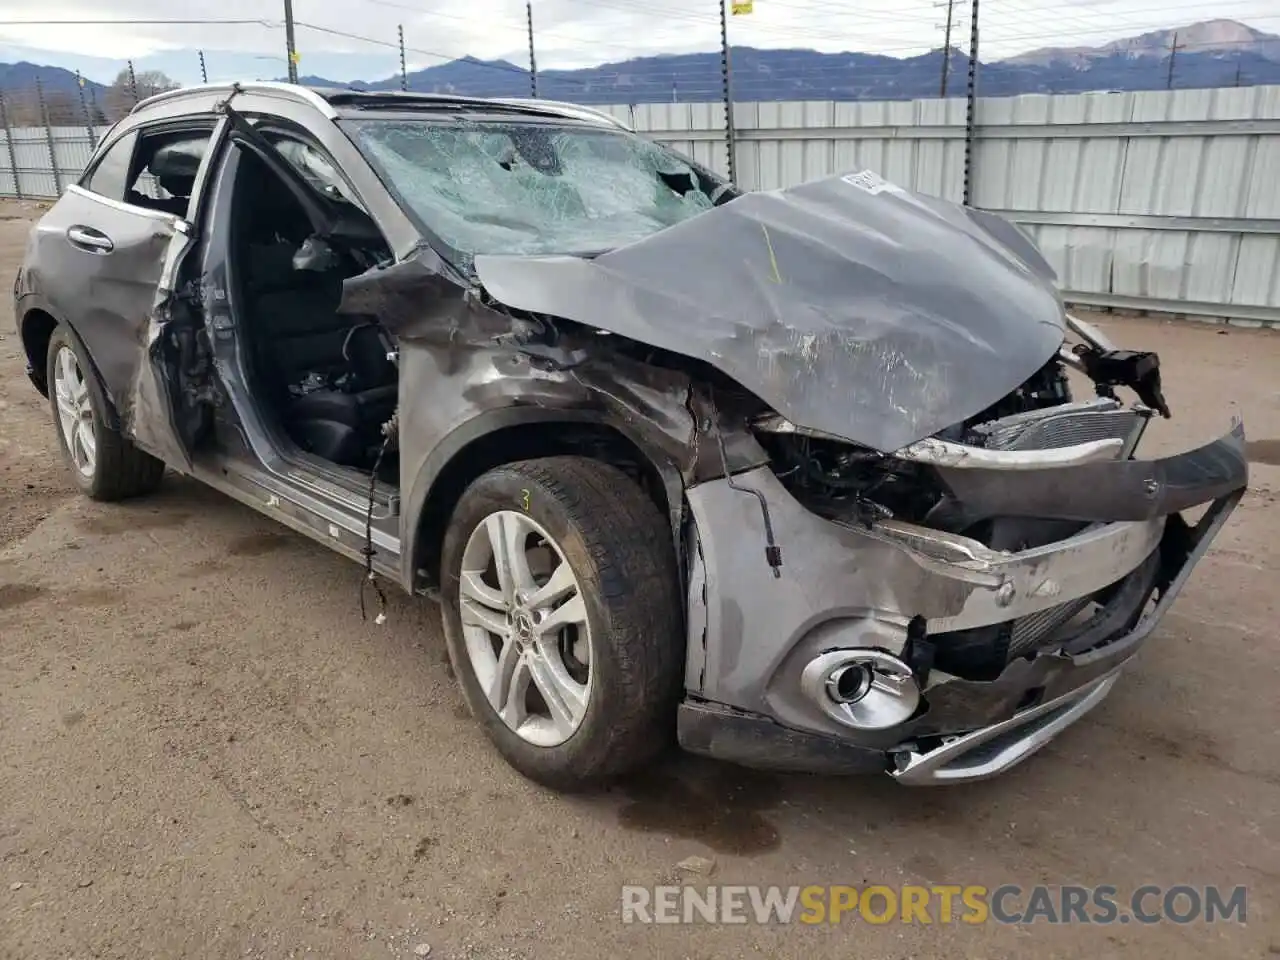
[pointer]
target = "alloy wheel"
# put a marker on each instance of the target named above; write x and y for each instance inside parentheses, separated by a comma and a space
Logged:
(525, 626)
(75, 410)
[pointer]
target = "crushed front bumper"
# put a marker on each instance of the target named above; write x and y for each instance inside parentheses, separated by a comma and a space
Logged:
(895, 588)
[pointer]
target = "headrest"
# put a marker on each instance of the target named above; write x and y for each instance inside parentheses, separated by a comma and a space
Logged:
(179, 159)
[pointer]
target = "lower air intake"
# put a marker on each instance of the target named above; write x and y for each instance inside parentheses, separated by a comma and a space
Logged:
(1064, 426)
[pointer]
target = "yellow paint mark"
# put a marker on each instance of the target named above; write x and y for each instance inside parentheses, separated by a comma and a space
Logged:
(524, 500)
(773, 260)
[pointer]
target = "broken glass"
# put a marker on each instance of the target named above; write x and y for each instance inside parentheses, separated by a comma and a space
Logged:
(531, 188)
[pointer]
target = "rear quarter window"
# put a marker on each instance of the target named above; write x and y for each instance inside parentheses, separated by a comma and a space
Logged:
(110, 175)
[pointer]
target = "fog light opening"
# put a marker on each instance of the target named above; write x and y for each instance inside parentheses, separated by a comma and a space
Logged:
(849, 684)
(863, 688)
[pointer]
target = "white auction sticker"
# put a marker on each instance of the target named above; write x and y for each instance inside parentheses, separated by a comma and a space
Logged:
(871, 182)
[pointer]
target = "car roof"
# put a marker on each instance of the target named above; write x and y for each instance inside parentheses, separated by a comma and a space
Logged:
(336, 102)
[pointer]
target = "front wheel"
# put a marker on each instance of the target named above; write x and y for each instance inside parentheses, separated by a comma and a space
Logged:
(562, 618)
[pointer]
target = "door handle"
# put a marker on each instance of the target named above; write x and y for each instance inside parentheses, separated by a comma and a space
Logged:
(90, 239)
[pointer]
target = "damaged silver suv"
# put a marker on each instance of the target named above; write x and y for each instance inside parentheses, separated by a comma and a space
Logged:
(793, 477)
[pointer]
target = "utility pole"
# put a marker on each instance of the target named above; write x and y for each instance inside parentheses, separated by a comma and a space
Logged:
(946, 50)
(533, 62)
(290, 47)
(204, 74)
(1237, 74)
(133, 82)
(726, 71)
(971, 106)
(404, 67)
(1173, 53)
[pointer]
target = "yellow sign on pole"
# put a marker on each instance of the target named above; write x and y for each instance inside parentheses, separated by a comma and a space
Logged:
(742, 7)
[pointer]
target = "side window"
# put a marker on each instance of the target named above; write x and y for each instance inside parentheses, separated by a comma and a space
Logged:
(110, 177)
(164, 171)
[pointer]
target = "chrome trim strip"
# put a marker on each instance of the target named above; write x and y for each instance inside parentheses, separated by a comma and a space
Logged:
(945, 453)
(951, 763)
(1017, 584)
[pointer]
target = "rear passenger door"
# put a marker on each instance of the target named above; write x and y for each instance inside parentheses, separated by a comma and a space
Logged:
(108, 260)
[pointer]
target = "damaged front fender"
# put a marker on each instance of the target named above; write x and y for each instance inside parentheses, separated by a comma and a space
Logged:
(472, 371)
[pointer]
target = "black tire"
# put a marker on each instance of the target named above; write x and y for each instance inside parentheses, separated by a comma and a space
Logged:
(120, 470)
(618, 545)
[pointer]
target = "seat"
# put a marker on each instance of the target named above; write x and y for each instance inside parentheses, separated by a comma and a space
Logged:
(173, 168)
(333, 396)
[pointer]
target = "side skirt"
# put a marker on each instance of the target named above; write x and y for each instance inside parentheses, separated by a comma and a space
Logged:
(300, 510)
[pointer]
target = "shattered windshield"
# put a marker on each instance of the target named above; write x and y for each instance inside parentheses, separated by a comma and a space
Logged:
(531, 188)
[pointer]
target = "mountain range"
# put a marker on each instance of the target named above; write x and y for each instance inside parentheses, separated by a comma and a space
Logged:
(1213, 53)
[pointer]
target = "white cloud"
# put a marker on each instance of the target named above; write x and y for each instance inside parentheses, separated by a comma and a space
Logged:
(574, 33)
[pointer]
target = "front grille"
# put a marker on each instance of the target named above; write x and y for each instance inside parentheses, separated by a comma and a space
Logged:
(1098, 419)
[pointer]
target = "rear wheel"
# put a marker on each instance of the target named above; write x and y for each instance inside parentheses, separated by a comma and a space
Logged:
(104, 463)
(562, 616)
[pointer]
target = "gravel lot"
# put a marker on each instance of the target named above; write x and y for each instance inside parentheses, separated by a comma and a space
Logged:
(205, 752)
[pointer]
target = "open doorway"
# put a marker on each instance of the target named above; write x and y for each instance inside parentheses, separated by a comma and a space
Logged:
(328, 379)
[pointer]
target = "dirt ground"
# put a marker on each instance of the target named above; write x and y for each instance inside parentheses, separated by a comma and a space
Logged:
(204, 752)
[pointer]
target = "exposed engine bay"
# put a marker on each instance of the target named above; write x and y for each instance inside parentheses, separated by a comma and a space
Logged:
(847, 483)
(850, 485)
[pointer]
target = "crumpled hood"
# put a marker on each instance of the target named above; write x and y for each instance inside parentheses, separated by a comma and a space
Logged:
(849, 305)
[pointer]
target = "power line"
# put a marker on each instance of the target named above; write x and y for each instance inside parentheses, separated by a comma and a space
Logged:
(505, 68)
(132, 22)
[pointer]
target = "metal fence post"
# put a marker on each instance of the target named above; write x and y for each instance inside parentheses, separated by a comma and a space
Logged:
(533, 62)
(404, 67)
(971, 106)
(88, 117)
(13, 154)
(726, 72)
(48, 135)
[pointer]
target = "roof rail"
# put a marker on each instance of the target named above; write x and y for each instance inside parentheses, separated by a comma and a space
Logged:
(552, 108)
(291, 91)
(325, 104)
(563, 108)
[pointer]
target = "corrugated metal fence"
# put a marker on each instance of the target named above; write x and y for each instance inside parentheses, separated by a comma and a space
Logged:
(37, 162)
(1165, 201)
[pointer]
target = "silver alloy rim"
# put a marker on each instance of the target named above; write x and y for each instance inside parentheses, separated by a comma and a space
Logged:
(75, 412)
(524, 621)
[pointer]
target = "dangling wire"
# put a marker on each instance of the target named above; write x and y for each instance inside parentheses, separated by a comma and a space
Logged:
(390, 429)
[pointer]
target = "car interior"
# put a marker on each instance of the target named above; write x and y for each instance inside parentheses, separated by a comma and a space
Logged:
(164, 172)
(329, 378)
